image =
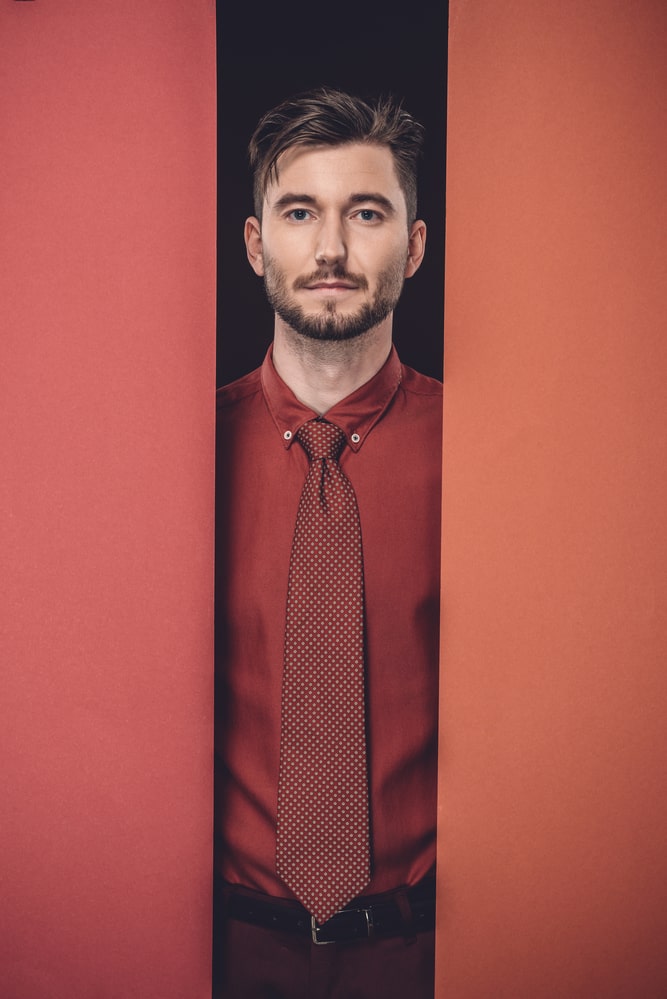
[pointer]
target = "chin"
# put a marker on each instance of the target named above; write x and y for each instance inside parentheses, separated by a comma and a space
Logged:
(333, 328)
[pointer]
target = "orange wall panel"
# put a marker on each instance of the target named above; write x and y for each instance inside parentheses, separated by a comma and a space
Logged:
(107, 371)
(553, 814)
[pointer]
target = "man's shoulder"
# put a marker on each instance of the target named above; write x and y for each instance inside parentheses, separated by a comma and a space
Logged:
(243, 390)
(415, 383)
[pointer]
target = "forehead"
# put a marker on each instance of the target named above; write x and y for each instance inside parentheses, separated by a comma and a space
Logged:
(336, 173)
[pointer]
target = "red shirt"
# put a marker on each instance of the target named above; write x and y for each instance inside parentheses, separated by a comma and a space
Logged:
(393, 459)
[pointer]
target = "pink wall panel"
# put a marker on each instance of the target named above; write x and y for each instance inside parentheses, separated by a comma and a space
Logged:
(554, 744)
(107, 292)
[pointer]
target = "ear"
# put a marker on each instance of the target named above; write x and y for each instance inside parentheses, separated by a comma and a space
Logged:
(416, 247)
(252, 233)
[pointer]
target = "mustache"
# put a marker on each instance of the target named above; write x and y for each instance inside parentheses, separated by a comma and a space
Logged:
(335, 273)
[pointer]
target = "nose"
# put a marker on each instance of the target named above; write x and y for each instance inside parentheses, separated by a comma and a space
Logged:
(331, 245)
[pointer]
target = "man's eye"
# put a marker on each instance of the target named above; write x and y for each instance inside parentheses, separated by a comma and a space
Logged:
(299, 214)
(368, 215)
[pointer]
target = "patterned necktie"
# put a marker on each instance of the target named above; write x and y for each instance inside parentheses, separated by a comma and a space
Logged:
(323, 834)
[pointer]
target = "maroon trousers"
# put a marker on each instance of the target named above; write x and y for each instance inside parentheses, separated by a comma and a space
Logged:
(256, 963)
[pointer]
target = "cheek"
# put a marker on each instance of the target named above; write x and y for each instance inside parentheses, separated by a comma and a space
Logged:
(282, 245)
(391, 261)
(292, 258)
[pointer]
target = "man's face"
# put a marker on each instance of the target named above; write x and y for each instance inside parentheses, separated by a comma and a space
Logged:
(334, 246)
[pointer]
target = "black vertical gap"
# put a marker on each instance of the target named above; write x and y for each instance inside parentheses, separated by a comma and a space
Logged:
(269, 53)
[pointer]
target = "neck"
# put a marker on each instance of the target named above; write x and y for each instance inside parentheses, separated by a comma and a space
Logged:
(322, 372)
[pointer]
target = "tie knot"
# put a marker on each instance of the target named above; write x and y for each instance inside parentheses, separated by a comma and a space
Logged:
(320, 439)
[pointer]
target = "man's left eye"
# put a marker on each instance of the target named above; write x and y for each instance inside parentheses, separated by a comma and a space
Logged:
(367, 215)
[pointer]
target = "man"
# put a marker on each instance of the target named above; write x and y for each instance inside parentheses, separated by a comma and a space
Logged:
(328, 573)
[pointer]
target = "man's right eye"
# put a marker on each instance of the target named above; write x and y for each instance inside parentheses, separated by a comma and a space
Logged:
(298, 214)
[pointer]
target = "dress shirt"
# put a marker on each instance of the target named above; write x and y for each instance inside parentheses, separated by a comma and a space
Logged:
(393, 459)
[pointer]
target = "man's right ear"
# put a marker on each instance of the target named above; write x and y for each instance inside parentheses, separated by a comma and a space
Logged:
(252, 233)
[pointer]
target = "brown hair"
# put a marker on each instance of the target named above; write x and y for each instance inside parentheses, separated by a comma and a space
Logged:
(333, 118)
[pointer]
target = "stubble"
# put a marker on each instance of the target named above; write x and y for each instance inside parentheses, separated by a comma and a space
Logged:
(329, 325)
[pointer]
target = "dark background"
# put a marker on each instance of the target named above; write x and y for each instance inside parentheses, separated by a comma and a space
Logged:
(268, 54)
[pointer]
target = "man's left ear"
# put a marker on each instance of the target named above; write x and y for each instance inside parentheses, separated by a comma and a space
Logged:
(416, 247)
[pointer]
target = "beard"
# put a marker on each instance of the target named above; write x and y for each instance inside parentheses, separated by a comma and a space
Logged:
(328, 324)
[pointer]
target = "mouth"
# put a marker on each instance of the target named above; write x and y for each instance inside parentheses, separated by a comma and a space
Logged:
(331, 286)
(331, 281)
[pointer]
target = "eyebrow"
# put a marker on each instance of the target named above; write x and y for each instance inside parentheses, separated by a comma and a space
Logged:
(292, 197)
(377, 199)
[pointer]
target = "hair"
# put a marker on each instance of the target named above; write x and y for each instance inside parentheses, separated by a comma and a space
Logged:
(327, 117)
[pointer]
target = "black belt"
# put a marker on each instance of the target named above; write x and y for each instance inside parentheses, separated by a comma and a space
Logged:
(402, 912)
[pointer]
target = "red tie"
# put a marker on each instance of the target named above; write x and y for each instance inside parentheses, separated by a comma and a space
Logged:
(323, 839)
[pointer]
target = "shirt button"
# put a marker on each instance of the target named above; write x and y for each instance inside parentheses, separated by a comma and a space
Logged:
(288, 435)
(355, 438)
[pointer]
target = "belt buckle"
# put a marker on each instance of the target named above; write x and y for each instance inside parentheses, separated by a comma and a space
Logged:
(315, 928)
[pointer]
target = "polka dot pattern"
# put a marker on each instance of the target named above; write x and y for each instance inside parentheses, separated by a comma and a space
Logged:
(323, 851)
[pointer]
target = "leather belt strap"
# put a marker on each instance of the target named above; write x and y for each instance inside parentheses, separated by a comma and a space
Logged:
(402, 912)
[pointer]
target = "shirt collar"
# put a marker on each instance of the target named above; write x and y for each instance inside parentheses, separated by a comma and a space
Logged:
(356, 415)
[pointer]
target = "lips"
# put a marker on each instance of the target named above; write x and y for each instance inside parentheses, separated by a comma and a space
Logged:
(332, 280)
(331, 286)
